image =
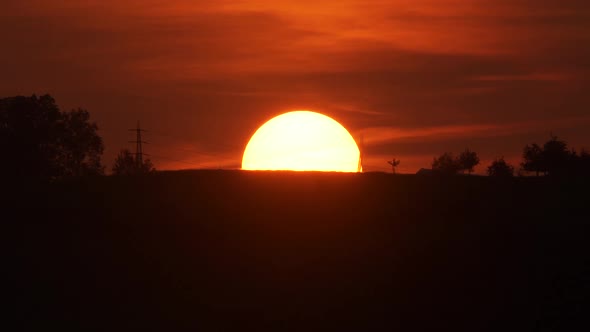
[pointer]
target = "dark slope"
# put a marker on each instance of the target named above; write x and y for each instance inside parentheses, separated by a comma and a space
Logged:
(220, 250)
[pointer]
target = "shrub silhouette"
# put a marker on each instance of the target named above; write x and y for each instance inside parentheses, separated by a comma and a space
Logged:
(500, 168)
(126, 164)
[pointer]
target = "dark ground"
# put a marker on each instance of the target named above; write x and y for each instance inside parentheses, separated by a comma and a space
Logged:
(228, 250)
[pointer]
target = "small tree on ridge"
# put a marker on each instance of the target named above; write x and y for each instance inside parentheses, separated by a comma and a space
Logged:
(446, 164)
(467, 161)
(500, 168)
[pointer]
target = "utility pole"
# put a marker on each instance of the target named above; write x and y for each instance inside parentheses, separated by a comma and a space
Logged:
(138, 146)
(361, 151)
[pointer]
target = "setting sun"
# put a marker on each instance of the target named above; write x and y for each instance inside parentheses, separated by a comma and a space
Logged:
(302, 141)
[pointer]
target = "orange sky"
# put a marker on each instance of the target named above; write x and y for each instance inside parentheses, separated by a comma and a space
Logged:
(416, 78)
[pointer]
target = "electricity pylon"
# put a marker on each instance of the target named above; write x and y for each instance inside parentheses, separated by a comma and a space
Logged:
(138, 146)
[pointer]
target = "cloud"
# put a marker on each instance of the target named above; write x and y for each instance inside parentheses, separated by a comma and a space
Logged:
(412, 71)
(374, 136)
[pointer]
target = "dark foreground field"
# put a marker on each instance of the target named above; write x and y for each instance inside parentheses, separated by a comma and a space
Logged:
(220, 250)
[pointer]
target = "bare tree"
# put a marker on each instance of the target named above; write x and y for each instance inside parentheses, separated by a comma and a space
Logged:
(394, 163)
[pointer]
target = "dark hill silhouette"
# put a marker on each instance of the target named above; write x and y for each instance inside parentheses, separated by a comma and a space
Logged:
(222, 251)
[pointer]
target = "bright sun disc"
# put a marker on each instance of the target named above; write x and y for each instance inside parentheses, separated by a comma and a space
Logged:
(302, 141)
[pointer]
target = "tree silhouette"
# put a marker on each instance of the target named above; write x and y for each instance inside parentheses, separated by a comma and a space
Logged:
(125, 164)
(556, 156)
(446, 164)
(468, 160)
(533, 159)
(79, 148)
(37, 140)
(583, 163)
(394, 163)
(500, 168)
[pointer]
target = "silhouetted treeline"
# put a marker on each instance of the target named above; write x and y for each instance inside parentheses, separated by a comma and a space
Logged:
(448, 164)
(38, 140)
(555, 158)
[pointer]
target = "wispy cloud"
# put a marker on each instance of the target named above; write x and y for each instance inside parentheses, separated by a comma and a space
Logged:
(557, 77)
(399, 70)
(382, 135)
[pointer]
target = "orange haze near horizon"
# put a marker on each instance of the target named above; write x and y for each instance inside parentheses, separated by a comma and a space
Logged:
(414, 78)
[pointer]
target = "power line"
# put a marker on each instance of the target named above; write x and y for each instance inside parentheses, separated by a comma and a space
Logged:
(139, 154)
(195, 165)
(186, 138)
(173, 159)
(192, 151)
(191, 141)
